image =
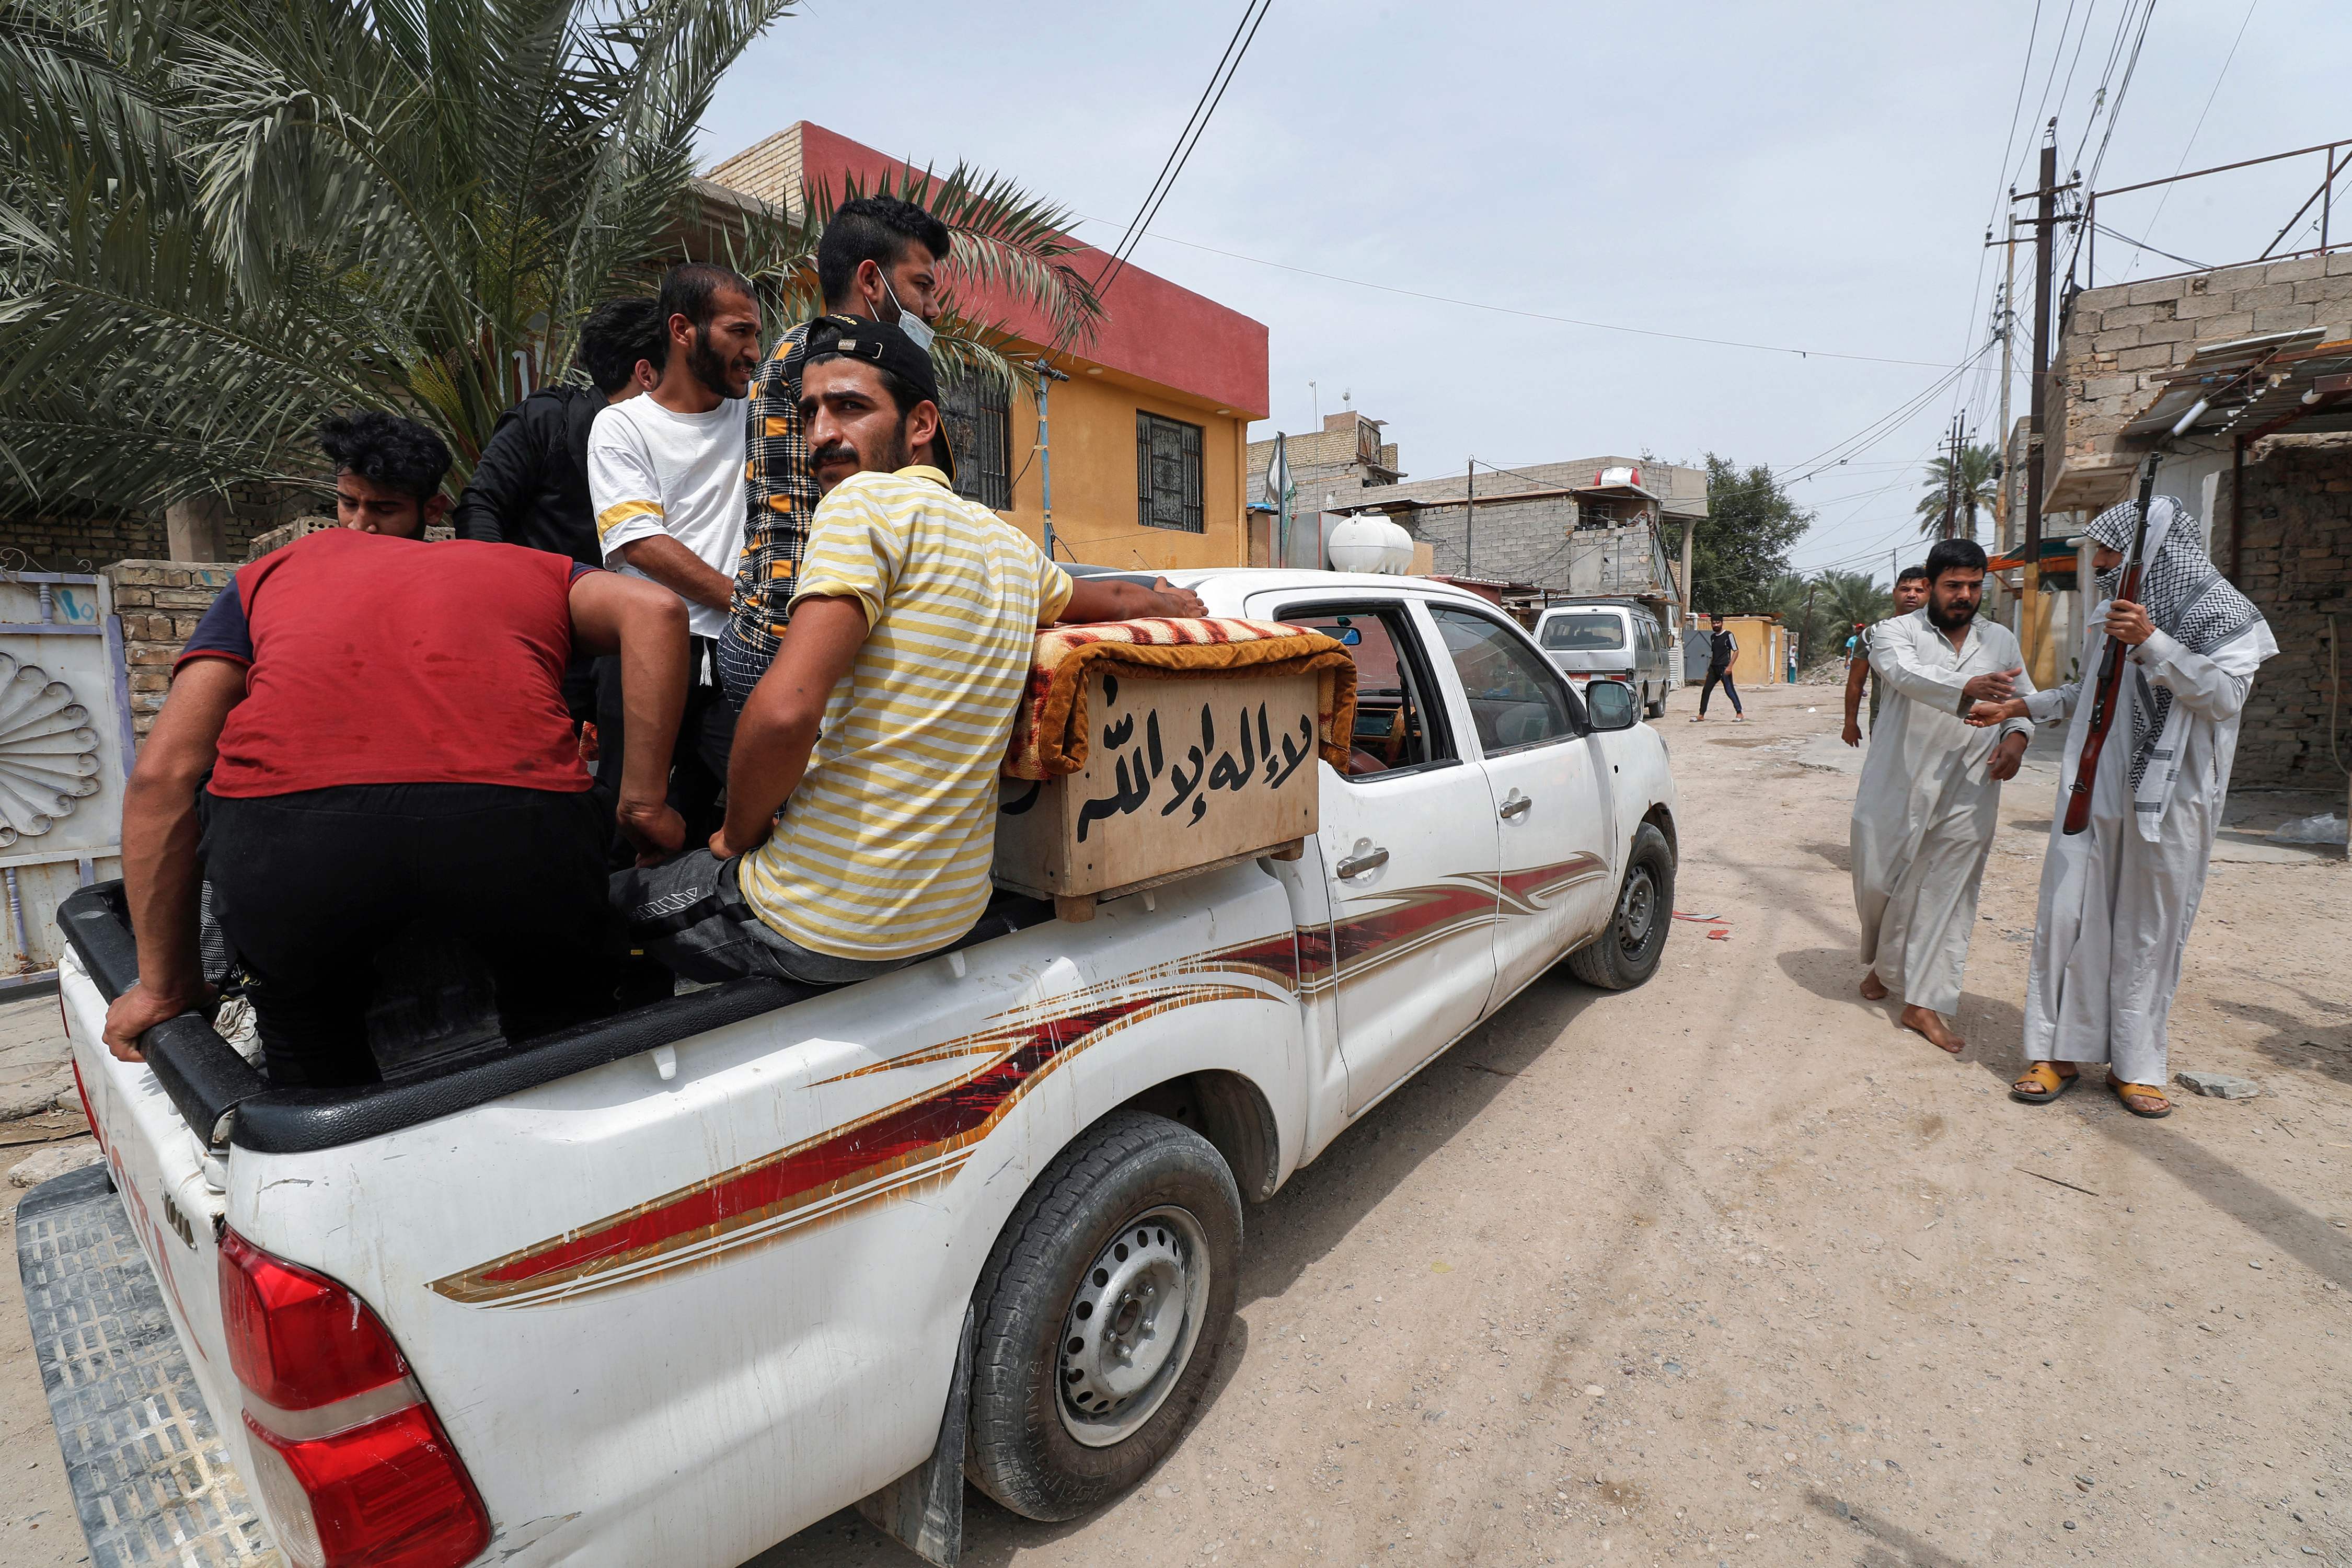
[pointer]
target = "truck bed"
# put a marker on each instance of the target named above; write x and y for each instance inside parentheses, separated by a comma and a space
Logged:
(151, 1479)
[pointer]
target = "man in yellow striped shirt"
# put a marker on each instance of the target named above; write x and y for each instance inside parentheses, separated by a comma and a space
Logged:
(861, 815)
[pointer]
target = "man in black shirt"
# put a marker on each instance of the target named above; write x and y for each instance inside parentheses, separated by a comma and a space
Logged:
(1722, 649)
(530, 487)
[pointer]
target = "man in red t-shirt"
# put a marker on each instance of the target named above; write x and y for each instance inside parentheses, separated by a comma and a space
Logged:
(367, 735)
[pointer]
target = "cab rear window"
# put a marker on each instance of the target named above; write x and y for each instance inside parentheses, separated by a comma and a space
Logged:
(1599, 632)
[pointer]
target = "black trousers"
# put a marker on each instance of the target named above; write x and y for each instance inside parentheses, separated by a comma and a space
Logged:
(1722, 677)
(313, 889)
(706, 739)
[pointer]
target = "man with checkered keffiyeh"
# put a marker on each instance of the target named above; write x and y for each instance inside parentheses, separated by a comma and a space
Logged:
(2117, 899)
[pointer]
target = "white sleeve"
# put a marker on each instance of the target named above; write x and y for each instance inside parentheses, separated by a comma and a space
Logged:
(1891, 661)
(2212, 687)
(623, 493)
(2021, 686)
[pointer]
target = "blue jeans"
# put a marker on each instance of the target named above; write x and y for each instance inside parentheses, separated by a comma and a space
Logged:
(1720, 678)
(689, 913)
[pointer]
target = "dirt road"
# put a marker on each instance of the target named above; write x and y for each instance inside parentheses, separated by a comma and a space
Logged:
(1730, 1270)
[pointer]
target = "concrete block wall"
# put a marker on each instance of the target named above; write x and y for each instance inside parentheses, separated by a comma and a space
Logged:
(2297, 569)
(1531, 541)
(2118, 344)
(84, 543)
(160, 602)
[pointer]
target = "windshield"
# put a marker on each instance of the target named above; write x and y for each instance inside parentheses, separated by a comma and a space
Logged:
(1596, 631)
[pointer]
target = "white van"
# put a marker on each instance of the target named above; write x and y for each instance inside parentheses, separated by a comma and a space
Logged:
(1619, 638)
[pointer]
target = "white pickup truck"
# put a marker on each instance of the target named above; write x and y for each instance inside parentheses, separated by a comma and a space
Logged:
(670, 1286)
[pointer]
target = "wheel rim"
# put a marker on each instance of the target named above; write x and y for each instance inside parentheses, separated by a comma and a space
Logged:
(1637, 910)
(1131, 1330)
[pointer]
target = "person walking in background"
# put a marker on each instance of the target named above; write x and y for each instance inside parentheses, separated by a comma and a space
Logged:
(1924, 815)
(2118, 898)
(1722, 649)
(666, 481)
(1910, 593)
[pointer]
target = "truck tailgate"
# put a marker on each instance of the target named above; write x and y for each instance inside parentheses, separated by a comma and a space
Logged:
(152, 1478)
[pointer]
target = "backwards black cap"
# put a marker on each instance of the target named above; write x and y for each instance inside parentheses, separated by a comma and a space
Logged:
(883, 346)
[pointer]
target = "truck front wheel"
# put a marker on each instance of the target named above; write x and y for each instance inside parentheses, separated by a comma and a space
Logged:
(1105, 1304)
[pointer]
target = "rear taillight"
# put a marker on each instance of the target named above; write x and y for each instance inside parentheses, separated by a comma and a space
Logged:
(297, 1339)
(349, 1461)
(389, 1494)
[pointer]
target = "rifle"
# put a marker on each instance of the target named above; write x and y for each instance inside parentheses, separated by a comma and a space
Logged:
(2111, 667)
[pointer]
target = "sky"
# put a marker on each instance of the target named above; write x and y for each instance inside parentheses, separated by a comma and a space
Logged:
(1815, 178)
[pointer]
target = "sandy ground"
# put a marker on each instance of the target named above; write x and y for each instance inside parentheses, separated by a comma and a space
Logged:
(1729, 1271)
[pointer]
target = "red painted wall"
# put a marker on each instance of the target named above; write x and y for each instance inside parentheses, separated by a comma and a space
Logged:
(1152, 329)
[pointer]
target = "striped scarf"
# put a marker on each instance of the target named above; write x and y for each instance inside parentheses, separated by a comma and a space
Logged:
(2184, 595)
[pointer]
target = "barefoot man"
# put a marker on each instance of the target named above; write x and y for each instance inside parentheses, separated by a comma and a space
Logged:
(2117, 898)
(1924, 814)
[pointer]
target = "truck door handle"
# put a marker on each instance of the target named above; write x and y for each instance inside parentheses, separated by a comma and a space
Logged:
(1364, 859)
(1515, 805)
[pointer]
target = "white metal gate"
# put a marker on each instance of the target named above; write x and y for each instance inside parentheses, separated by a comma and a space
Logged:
(65, 749)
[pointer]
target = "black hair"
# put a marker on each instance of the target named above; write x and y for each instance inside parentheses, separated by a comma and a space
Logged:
(616, 336)
(904, 393)
(387, 450)
(875, 229)
(1955, 556)
(1907, 573)
(690, 289)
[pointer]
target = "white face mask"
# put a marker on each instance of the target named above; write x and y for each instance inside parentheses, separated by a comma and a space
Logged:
(918, 332)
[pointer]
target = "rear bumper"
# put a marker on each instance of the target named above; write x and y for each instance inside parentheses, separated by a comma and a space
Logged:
(152, 1478)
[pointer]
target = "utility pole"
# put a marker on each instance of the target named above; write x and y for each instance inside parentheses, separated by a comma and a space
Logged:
(2008, 326)
(1470, 518)
(1046, 375)
(1690, 610)
(1805, 637)
(1952, 478)
(2039, 658)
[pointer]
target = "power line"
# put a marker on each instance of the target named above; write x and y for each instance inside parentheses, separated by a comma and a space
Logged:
(1538, 315)
(2198, 128)
(1187, 139)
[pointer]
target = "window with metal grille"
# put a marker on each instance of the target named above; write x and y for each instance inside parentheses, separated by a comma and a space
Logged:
(1167, 473)
(980, 428)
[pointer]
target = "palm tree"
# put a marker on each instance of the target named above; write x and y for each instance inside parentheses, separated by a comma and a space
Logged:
(220, 217)
(1823, 610)
(1978, 487)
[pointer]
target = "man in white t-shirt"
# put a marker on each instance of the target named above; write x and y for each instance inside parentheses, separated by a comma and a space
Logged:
(665, 484)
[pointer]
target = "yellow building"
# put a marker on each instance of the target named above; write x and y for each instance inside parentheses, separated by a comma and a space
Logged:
(1148, 437)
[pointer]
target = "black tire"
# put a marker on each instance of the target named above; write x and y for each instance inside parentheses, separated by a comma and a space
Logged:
(1628, 949)
(1657, 708)
(1057, 1252)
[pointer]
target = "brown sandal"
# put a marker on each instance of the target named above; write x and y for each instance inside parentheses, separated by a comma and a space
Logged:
(2126, 1092)
(2042, 1084)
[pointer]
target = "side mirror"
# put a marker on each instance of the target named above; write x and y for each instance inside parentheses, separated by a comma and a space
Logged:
(1610, 704)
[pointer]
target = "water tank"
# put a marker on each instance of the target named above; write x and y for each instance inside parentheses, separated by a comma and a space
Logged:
(1371, 544)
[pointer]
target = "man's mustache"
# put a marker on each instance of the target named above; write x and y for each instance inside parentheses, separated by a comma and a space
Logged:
(832, 452)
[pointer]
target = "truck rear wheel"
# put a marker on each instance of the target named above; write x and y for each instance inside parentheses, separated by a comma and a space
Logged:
(1628, 949)
(1104, 1306)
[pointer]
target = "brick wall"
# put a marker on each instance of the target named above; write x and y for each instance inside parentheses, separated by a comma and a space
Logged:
(2297, 568)
(82, 543)
(159, 603)
(2118, 344)
(70, 543)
